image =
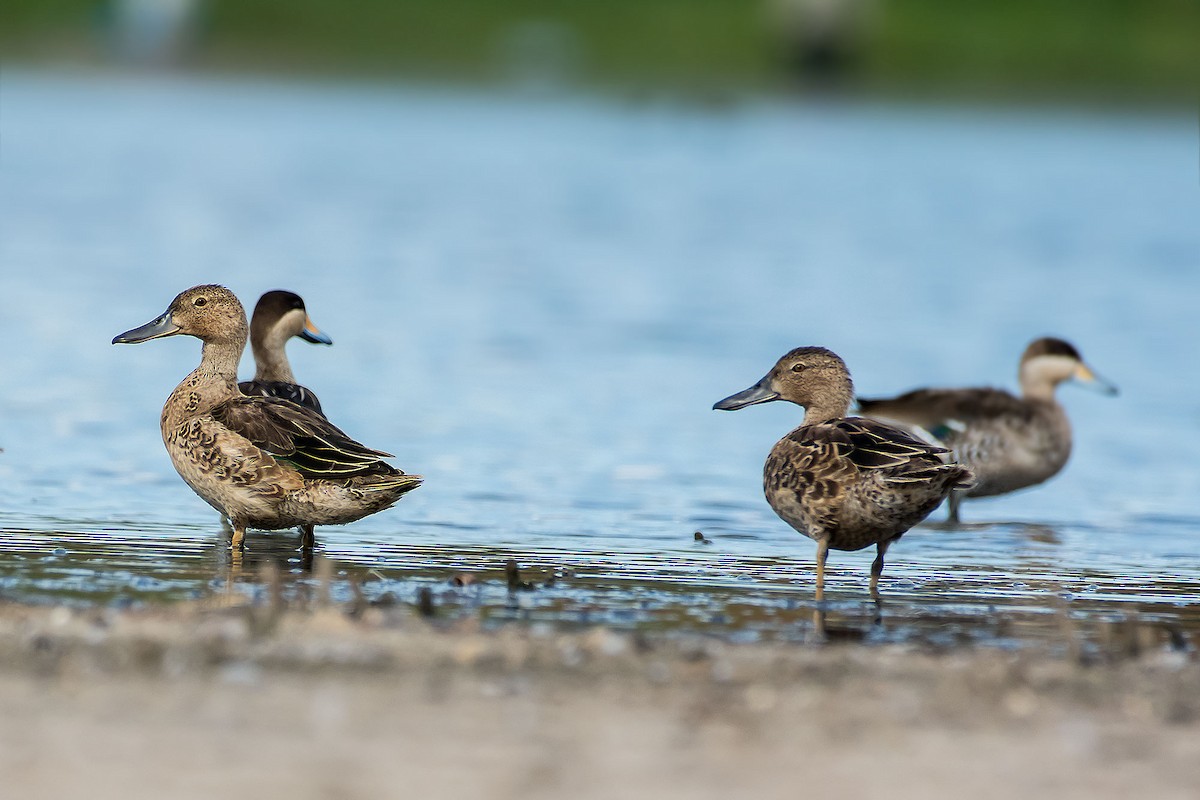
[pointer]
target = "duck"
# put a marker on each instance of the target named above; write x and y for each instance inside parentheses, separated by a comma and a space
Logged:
(845, 482)
(264, 462)
(278, 316)
(1010, 442)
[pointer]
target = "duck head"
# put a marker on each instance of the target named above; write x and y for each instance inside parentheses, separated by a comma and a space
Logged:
(211, 313)
(280, 315)
(1049, 361)
(812, 377)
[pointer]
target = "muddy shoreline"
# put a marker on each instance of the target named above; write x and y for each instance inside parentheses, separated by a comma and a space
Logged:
(338, 701)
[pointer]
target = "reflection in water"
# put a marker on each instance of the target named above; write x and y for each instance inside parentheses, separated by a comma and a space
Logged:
(842, 630)
(1034, 531)
(283, 552)
(697, 590)
(1045, 534)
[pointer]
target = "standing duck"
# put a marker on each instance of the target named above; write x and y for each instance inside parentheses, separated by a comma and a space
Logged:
(263, 462)
(1008, 442)
(846, 483)
(278, 316)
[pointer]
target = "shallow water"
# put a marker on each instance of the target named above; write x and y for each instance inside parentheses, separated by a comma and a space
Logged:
(535, 302)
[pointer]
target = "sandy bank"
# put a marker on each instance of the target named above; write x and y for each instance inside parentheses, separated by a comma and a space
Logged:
(193, 701)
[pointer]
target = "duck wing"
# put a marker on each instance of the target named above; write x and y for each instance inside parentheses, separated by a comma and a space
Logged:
(298, 394)
(901, 457)
(946, 413)
(856, 445)
(871, 444)
(311, 444)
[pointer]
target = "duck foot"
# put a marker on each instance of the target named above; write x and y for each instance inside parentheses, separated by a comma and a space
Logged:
(308, 542)
(818, 634)
(877, 619)
(953, 501)
(877, 570)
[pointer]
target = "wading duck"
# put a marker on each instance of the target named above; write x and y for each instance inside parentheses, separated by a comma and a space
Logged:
(263, 462)
(846, 483)
(278, 317)
(1008, 442)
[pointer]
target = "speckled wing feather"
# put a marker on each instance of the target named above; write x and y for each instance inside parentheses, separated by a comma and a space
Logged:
(809, 466)
(901, 457)
(311, 444)
(287, 391)
(874, 445)
(868, 445)
(806, 456)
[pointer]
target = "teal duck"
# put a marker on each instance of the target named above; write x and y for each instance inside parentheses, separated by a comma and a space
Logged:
(1009, 442)
(845, 482)
(278, 316)
(263, 462)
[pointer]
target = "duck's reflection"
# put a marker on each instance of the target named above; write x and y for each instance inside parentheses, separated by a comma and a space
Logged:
(1035, 531)
(844, 628)
(275, 553)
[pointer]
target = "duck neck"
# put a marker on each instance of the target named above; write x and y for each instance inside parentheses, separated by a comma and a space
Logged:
(814, 415)
(1037, 386)
(208, 385)
(219, 359)
(830, 404)
(270, 359)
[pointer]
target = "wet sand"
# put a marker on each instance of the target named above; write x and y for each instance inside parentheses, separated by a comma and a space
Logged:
(199, 700)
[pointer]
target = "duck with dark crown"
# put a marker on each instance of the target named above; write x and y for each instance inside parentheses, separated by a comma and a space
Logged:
(847, 483)
(263, 462)
(1009, 442)
(278, 316)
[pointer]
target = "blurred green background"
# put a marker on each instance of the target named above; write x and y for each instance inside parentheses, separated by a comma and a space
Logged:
(1118, 49)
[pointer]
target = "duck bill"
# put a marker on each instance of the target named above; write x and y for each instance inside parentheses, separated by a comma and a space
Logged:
(155, 329)
(1086, 377)
(758, 393)
(312, 333)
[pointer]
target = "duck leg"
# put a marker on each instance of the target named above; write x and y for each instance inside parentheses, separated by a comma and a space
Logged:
(307, 541)
(877, 570)
(822, 554)
(954, 500)
(819, 634)
(238, 543)
(307, 538)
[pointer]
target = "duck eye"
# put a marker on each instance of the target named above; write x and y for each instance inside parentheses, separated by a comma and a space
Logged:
(797, 368)
(200, 301)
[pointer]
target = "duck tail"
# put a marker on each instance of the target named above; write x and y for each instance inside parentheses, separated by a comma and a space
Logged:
(397, 484)
(961, 477)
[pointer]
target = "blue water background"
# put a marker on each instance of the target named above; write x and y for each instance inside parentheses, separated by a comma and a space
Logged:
(535, 300)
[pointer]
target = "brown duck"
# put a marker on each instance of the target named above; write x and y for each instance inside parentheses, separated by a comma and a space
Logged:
(278, 316)
(1009, 442)
(846, 483)
(263, 462)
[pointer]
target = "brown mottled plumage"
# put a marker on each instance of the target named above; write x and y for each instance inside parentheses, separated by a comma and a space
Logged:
(1008, 442)
(264, 462)
(278, 316)
(846, 483)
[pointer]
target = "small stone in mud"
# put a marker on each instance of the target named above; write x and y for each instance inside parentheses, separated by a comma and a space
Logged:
(425, 602)
(512, 573)
(385, 600)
